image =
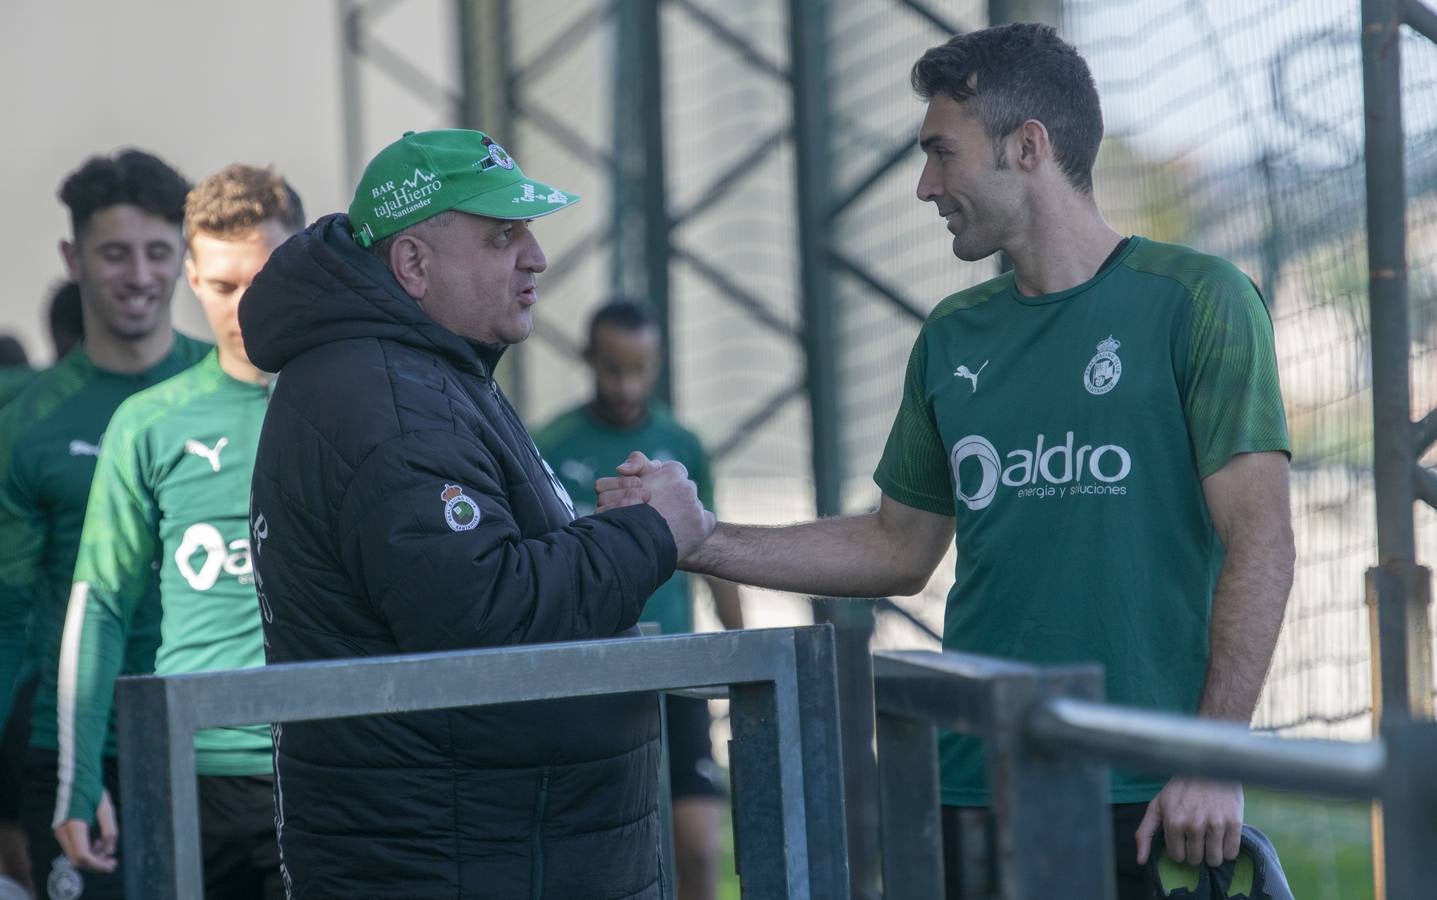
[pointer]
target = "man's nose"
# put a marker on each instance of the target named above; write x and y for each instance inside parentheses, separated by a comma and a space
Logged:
(532, 257)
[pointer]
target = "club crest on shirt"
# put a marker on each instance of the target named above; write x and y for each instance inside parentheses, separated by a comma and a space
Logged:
(461, 513)
(1104, 369)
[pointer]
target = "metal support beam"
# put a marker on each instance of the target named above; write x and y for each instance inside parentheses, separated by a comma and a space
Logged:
(911, 824)
(1409, 797)
(1034, 791)
(787, 766)
(813, 176)
(1394, 458)
(1421, 17)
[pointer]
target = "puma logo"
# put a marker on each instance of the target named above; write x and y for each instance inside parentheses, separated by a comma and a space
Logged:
(212, 456)
(962, 372)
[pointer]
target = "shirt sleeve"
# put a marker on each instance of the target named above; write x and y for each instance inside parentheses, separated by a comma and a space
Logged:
(22, 545)
(429, 517)
(1231, 398)
(914, 467)
(114, 572)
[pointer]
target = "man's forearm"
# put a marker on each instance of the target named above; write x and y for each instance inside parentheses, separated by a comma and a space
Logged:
(847, 556)
(1247, 610)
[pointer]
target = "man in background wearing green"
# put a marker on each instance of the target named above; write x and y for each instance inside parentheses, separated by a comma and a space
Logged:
(125, 253)
(170, 506)
(623, 355)
(66, 329)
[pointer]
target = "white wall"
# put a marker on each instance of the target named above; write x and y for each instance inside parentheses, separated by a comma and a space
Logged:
(199, 84)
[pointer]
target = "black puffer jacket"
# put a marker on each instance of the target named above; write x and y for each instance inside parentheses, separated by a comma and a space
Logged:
(399, 506)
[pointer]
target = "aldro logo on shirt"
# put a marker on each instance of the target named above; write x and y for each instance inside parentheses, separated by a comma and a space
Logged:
(1059, 470)
(231, 558)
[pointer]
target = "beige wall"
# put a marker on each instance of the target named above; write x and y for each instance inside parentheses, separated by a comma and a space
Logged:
(201, 84)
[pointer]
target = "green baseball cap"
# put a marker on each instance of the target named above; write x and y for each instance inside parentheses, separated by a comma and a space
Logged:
(425, 173)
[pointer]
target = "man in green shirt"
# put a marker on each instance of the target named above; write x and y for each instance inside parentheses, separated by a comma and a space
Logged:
(15, 371)
(170, 506)
(63, 314)
(1100, 431)
(623, 355)
(125, 253)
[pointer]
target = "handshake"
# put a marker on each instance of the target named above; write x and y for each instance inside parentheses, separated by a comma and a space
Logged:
(665, 486)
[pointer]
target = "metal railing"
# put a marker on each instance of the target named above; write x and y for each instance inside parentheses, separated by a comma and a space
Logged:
(785, 757)
(1049, 740)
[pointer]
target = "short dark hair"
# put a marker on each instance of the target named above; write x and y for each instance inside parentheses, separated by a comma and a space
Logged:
(380, 248)
(238, 198)
(628, 313)
(12, 352)
(131, 177)
(1019, 72)
(66, 317)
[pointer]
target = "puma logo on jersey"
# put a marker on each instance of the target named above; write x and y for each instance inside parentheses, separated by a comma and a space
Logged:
(962, 372)
(84, 448)
(212, 456)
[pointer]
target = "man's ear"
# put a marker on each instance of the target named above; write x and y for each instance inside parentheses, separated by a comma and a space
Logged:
(1033, 145)
(409, 261)
(192, 274)
(71, 255)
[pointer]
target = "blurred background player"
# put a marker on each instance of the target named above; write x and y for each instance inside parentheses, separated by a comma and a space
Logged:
(170, 505)
(623, 354)
(124, 252)
(15, 371)
(66, 318)
(66, 328)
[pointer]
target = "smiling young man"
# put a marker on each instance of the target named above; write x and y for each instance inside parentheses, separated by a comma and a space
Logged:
(170, 506)
(1100, 431)
(400, 506)
(125, 253)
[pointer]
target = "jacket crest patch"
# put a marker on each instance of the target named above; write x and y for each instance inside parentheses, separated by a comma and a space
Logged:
(461, 513)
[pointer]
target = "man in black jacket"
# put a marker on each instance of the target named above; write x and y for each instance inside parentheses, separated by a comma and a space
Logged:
(400, 506)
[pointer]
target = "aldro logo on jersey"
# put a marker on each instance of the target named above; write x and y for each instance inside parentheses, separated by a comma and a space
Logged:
(1059, 470)
(231, 558)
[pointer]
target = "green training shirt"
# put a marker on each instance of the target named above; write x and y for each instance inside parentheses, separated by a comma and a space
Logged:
(13, 380)
(169, 504)
(581, 449)
(1068, 436)
(50, 437)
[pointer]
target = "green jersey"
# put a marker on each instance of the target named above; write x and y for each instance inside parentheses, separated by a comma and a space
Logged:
(13, 380)
(169, 505)
(1068, 435)
(581, 449)
(49, 440)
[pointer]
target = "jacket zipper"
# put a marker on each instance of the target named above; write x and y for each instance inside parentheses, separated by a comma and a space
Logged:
(536, 840)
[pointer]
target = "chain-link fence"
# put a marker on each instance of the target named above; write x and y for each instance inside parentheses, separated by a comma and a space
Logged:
(1233, 127)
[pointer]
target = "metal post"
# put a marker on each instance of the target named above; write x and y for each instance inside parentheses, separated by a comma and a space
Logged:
(641, 221)
(824, 806)
(911, 826)
(655, 189)
(1409, 798)
(1035, 792)
(159, 804)
(754, 759)
(487, 104)
(1393, 461)
(813, 171)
